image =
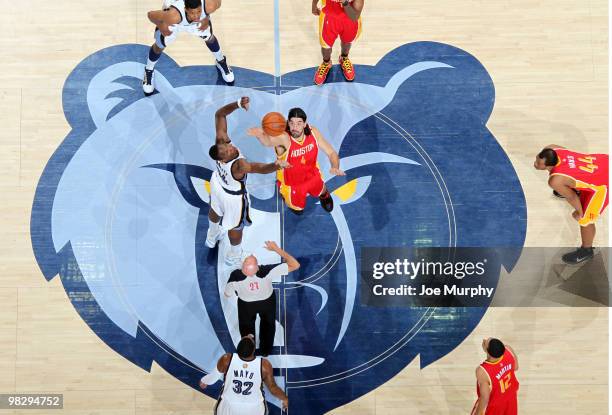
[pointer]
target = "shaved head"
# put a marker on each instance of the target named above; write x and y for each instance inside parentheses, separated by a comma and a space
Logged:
(250, 265)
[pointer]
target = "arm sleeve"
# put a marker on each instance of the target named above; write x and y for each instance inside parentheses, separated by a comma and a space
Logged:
(212, 377)
(277, 271)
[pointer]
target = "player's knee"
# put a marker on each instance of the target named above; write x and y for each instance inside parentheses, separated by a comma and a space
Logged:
(211, 40)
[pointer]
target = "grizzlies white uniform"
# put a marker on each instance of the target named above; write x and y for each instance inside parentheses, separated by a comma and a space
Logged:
(183, 26)
(229, 197)
(242, 390)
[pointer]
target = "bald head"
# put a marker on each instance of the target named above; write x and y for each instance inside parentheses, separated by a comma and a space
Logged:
(250, 265)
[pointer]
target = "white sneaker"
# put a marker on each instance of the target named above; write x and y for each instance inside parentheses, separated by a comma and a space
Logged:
(226, 70)
(212, 239)
(147, 82)
(233, 260)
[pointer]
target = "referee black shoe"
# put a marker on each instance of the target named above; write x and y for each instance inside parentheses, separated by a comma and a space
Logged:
(578, 256)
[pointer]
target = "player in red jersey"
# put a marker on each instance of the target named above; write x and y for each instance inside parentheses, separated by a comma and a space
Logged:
(299, 147)
(582, 179)
(496, 383)
(337, 18)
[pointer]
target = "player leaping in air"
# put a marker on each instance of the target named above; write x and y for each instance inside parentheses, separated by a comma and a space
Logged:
(299, 146)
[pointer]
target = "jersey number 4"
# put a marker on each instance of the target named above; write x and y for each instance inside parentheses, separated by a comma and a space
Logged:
(242, 388)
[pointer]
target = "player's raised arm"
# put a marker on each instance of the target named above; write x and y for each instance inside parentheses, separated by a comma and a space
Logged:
(334, 159)
(268, 378)
(267, 140)
(163, 19)
(353, 9)
(221, 118)
(485, 391)
(212, 378)
(516, 362)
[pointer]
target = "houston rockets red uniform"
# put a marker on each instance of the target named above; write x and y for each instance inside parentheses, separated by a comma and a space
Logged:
(334, 23)
(590, 174)
(303, 178)
(504, 386)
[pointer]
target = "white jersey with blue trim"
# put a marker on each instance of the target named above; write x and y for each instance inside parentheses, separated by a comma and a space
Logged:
(184, 25)
(243, 384)
(223, 175)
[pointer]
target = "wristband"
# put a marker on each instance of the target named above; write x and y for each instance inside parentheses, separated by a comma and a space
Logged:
(212, 377)
(238, 103)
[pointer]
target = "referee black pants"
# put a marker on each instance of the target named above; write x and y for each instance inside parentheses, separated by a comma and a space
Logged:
(248, 311)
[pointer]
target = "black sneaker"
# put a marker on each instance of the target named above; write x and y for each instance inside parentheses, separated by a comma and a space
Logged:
(327, 203)
(578, 256)
(226, 71)
(147, 82)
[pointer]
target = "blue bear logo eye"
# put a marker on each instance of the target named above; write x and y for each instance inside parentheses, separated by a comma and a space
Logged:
(193, 182)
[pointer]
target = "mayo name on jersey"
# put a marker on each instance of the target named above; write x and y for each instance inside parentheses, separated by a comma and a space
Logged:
(243, 381)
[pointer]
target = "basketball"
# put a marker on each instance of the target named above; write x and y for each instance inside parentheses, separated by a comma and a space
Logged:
(273, 123)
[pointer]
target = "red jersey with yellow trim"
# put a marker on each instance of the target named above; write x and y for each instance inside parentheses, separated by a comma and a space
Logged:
(504, 384)
(302, 156)
(587, 170)
(332, 7)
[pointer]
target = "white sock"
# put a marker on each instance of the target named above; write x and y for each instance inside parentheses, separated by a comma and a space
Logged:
(218, 55)
(150, 64)
(213, 228)
(235, 249)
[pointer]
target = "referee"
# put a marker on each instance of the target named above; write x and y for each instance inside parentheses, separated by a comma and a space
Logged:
(253, 286)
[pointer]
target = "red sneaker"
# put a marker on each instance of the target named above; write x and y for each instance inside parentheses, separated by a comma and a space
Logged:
(347, 68)
(321, 73)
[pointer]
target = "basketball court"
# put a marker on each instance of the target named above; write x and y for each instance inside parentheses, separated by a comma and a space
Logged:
(110, 297)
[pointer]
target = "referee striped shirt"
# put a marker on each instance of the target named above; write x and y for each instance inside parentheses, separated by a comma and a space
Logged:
(256, 287)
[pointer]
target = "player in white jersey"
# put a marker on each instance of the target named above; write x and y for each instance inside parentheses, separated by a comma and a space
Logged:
(229, 199)
(243, 378)
(186, 16)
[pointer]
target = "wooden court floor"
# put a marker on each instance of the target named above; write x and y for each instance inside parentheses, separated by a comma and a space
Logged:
(549, 63)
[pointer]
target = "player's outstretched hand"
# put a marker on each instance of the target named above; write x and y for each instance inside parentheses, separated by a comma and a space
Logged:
(203, 385)
(244, 103)
(576, 215)
(285, 403)
(337, 172)
(255, 132)
(315, 10)
(283, 164)
(271, 246)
